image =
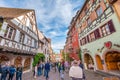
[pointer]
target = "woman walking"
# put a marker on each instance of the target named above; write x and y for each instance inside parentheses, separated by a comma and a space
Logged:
(75, 72)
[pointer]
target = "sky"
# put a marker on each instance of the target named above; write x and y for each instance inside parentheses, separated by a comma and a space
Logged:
(53, 16)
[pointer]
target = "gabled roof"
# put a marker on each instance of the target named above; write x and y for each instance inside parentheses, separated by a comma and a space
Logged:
(13, 12)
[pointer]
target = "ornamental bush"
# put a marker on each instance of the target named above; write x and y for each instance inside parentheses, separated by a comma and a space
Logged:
(37, 58)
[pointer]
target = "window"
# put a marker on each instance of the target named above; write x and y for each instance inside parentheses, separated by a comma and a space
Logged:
(88, 21)
(35, 43)
(29, 41)
(107, 28)
(83, 41)
(9, 33)
(21, 39)
(41, 46)
(85, 10)
(99, 11)
(92, 36)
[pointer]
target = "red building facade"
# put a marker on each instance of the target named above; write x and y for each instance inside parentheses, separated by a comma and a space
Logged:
(72, 41)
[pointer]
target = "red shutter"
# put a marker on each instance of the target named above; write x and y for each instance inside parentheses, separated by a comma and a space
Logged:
(111, 26)
(88, 39)
(81, 42)
(97, 34)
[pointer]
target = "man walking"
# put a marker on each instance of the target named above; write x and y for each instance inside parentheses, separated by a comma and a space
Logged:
(47, 69)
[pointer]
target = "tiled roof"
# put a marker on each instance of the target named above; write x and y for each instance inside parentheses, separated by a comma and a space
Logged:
(13, 12)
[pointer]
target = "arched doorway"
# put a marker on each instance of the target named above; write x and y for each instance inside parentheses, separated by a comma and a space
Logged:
(27, 63)
(88, 60)
(112, 60)
(3, 58)
(18, 61)
(99, 62)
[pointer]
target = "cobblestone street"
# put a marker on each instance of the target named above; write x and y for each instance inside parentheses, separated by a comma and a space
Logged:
(90, 75)
(52, 76)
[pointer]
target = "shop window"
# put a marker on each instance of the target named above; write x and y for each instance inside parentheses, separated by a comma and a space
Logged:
(27, 64)
(9, 33)
(18, 61)
(3, 58)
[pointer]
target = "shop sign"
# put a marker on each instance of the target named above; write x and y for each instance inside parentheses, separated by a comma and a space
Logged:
(117, 45)
(100, 50)
(108, 44)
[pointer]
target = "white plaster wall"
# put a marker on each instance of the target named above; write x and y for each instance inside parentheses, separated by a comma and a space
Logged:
(99, 43)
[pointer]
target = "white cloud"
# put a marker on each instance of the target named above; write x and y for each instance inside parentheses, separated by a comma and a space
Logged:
(51, 14)
(58, 45)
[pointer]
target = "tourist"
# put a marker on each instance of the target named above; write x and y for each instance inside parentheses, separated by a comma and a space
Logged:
(4, 71)
(47, 69)
(66, 66)
(12, 71)
(81, 66)
(75, 72)
(39, 69)
(19, 72)
(61, 72)
(35, 71)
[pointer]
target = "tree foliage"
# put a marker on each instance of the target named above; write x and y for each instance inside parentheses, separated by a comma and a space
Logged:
(80, 54)
(37, 58)
(63, 55)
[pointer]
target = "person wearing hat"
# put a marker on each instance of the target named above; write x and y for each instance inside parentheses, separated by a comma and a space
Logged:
(76, 72)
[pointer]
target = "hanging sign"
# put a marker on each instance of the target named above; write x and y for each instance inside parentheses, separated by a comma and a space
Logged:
(108, 44)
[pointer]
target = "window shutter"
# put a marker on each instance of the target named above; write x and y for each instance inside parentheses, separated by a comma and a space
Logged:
(88, 39)
(85, 40)
(111, 26)
(97, 34)
(81, 42)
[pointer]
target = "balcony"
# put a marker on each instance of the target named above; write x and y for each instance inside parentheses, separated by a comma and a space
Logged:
(15, 47)
(106, 14)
